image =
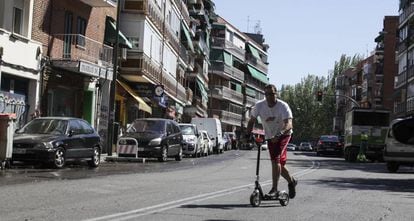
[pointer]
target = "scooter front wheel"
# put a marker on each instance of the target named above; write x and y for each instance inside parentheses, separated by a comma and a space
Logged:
(255, 198)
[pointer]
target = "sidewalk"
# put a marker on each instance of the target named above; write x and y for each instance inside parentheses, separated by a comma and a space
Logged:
(114, 158)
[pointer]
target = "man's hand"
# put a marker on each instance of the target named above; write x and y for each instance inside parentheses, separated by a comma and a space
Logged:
(276, 137)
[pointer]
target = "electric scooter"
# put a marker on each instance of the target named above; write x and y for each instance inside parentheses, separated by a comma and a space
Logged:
(257, 196)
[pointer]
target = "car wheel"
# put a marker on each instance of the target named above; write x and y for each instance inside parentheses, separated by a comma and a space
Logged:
(164, 154)
(179, 156)
(96, 158)
(392, 167)
(59, 160)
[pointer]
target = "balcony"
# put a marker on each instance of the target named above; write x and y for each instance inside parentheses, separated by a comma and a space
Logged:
(257, 63)
(149, 8)
(172, 38)
(74, 47)
(184, 11)
(406, 14)
(138, 63)
(227, 117)
(240, 53)
(225, 93)
(220, 68)
(250, 101)
(100, 3)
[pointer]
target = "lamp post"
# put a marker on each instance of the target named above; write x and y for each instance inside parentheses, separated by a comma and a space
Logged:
(111, 111)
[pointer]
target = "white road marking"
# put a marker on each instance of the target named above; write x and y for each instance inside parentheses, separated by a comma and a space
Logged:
(189, 200)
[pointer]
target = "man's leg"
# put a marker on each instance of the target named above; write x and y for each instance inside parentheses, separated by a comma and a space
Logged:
(285, 174)
(276, 171)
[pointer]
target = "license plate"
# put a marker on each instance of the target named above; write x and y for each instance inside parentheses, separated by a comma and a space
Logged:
(140, 149)
(330, 149)
(19, 151)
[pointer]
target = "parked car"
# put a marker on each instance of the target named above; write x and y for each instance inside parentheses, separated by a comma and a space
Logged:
(56, 140)
(194, 143)
(208, 140)
(157, 137)
(213, 128)
(399, 148)
(329, 144)
(291, 147)
(264, 145)
(305, 146)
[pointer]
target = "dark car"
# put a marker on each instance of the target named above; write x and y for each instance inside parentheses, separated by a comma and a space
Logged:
(55, 140)
(329, 144)
(157, 137)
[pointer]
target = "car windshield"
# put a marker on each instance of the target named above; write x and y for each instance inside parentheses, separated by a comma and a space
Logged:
(45, 126)
(329, 138)
(150, 126)
(187, 129)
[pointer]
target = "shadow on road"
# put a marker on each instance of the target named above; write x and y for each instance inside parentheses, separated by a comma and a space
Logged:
(382, 184)
(230, 206)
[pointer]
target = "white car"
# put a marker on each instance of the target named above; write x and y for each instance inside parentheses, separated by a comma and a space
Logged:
(264, 145)
(208, 140)
(291, 147)
(399, 148)
(305, 146)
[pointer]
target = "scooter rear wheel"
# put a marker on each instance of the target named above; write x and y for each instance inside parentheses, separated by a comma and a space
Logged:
(255, 198)
(283, 198)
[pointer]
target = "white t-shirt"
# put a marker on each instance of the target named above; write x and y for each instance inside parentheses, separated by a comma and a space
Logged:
(272, 117)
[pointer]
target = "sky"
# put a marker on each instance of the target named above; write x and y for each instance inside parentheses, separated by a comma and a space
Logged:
(308, 36)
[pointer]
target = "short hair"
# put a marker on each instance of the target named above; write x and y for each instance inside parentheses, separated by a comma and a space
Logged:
(270, 86)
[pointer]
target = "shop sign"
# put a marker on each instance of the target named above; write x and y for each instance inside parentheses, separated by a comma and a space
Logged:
(89, 69)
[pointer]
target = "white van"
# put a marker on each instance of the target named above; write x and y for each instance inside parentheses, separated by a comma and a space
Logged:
(213, 128)
(399, 148)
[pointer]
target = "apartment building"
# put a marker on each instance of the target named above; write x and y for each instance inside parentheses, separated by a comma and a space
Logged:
(404, 86)
(20, 60)
(77, 38)
(238, 74)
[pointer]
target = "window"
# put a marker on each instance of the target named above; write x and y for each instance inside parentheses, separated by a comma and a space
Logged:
(86, 129)
(75, 127)
(17, 20)
(80, 30)
(134, 41)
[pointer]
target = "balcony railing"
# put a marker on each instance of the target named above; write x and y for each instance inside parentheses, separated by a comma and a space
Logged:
(257, 63)
(406, 13)
(228, 45)
(227, 117)
(250, 101)
(223, 69)
(138, 62)
(76, 47)
(100, 3)
(221, 92)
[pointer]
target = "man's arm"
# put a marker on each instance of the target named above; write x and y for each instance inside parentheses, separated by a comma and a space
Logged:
(250, 125)
(287, 125)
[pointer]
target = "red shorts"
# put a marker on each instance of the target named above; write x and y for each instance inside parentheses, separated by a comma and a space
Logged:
(278, 151)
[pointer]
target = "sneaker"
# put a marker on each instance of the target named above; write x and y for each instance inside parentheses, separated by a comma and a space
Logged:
(292, 188)
(272, 193)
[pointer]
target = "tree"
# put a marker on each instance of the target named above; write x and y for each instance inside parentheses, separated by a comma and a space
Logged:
(311, 118)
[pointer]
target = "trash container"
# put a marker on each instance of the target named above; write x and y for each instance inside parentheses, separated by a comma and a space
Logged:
(6, 138)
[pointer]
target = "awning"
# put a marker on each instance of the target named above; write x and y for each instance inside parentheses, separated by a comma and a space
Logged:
(202, 89)
(142, 105)
(258, 74)
(228, 59)
(188, 37)
(110, 34)
(254, 51)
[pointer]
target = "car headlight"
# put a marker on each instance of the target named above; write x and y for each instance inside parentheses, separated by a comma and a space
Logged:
(155, 142)
(45, 145)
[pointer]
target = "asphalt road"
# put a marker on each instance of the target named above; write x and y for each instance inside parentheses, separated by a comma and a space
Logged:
(212, 188)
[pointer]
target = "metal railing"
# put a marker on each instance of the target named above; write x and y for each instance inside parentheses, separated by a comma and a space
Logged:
(227, 117)
(220, 91)
(222, 68)
(79, 47)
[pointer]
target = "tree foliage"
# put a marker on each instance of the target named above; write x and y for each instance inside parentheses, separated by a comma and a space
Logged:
(310, 117)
